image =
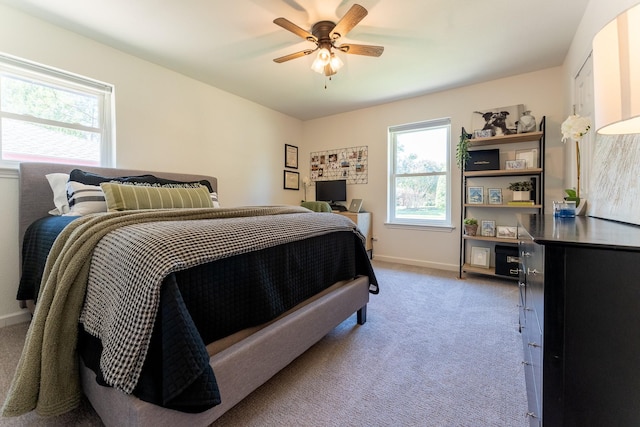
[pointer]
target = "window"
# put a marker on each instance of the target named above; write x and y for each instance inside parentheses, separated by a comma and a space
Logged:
(49, 115)
(420, 184)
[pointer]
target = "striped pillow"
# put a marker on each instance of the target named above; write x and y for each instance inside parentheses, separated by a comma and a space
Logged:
(122, 197)
(84, 199)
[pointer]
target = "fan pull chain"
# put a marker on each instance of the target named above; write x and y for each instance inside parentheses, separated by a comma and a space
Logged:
(325, 82)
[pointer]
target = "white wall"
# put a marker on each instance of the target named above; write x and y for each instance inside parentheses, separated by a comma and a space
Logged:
(541, 92)
(597, 14)
(165, 121)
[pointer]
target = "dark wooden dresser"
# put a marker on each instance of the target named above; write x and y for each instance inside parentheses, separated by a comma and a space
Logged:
(580, 320)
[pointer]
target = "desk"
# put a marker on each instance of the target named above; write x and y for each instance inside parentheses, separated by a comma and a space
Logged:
(363, 221)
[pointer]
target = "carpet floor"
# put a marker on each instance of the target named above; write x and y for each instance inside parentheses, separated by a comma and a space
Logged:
(435, 351)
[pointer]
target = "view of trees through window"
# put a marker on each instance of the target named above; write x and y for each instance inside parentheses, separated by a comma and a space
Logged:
(420, 174)
(49, 119)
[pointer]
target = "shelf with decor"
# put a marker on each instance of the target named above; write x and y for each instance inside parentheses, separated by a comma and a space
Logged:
(495, 165)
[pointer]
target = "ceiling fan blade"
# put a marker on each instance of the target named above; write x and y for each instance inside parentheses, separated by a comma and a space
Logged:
(290, 26)
(293, 56)
(348, 21)
(361, 49)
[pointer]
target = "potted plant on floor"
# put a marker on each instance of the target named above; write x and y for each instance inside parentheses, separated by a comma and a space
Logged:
(470, 226)
(521, 190)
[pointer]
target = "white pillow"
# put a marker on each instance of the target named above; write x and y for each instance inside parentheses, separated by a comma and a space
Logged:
(58, 183)
(214, 199)
(85, 199)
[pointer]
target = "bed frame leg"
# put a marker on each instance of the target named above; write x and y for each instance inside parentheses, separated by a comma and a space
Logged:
(362, 315)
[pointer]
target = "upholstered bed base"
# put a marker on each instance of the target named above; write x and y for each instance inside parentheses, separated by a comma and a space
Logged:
(239, 368)
(244, 366)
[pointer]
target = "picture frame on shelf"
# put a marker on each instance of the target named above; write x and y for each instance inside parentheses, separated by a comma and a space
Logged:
(482, 133)
(499, 121)
(495, 196)
(487, 228)
(290, 156)
(475, 195)
(515, 164)
(291, 180)
(507, 232)
(480, 257)
(530, 156)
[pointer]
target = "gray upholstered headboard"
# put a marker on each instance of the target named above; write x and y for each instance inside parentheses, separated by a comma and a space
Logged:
(36, 197)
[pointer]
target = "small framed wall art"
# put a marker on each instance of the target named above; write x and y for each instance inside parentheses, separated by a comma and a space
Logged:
(516, 164)
(475, 195)
(507, 232)
(290, 156)
(495, 196)
(488, 228)
(480, 257)
(291, 180)
(529, 156)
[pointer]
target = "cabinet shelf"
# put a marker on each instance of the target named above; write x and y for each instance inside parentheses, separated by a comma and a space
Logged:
(468, 268)
(480, 205)
(491, 239)
(506, 139)
(497, 178)
(502, 172)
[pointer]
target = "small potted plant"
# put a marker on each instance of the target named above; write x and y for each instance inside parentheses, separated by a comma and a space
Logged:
(521, 190)
(470, 226)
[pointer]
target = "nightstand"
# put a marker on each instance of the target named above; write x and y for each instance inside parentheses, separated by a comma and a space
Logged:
(363, 221)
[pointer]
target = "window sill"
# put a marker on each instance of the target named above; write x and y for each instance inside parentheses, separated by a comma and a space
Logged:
(422, 227)
(8, 172)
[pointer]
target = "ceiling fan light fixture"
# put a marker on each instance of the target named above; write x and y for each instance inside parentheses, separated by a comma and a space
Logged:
(324, 55)
(318, 66)
(336, 63)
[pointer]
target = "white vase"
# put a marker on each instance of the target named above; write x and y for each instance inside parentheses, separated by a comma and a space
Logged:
(582, 209)
(519, 196)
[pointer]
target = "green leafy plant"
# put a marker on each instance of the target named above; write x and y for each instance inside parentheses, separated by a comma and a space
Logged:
(470, 221)
(572, 196)
(462, 149)
(521, 186)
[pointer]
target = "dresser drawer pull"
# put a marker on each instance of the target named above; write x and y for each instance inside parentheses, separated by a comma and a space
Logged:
(521, 284)
(514, 271)
(524, 362)
(534, 345)
(531, 415)
(527, 254)
(530, 271)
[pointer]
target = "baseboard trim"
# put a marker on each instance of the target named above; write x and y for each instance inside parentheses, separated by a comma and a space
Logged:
(416, 262)
(15, 318)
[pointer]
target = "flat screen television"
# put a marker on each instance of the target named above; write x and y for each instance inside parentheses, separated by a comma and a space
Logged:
(331, 191)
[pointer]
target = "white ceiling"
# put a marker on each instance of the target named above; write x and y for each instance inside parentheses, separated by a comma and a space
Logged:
(430, 45)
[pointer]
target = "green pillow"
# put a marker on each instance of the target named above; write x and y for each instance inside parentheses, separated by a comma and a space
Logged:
(123, 197)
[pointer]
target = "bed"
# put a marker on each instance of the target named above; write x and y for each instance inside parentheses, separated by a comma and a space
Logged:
(242, 351)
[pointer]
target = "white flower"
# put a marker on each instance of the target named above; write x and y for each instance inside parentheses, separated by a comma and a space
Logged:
(575, 127)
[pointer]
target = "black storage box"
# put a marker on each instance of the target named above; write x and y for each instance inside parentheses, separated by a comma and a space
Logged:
(482, 160)
(507, 261)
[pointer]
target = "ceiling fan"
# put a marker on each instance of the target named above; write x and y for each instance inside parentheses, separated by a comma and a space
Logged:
(325, 34)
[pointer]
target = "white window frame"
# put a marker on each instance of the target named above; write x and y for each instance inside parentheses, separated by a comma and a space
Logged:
(20, 68)
(392, 219)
